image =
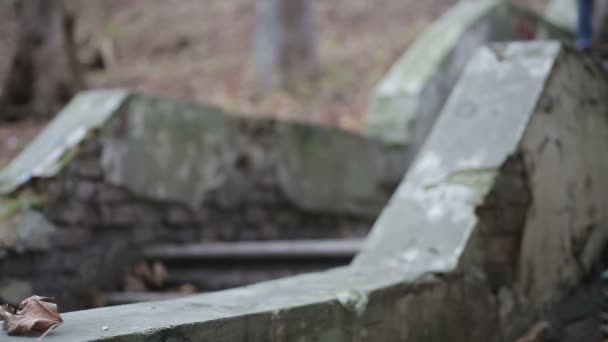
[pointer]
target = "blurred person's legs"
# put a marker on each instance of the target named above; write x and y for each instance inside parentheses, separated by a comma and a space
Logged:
(600, 27)
(584, 27)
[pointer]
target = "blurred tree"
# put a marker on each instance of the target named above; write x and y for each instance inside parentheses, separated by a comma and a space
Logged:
(44, 73)
(284, 44)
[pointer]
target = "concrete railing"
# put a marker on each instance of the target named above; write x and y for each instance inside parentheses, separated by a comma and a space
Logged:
(484, 236)
(406, 102)
(562, 14)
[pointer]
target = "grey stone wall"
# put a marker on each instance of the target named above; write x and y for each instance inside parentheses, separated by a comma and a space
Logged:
(157, 171)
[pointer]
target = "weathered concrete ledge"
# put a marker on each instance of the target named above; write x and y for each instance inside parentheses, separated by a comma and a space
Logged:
(407, 100)
(484, 236)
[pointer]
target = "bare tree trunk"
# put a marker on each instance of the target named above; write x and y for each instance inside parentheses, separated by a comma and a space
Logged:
(285, 43)
(45, 72)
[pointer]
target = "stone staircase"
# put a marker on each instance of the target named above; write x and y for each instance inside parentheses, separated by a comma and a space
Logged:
(212, 266)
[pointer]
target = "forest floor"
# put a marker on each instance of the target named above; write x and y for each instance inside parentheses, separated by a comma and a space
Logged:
(202, 51)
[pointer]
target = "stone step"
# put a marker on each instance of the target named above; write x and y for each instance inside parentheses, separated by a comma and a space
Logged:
(213, 266)
(224, 276)
(119, 298)
(257, 250)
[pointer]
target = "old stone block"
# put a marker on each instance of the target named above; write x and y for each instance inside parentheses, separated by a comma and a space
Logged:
(256, 215)
(327, 169)
(110, 194)
(72, 237)
(86, 190)
(35, 232)
(72, 212)
(118, 215)
(87, 168)
(9, 233)
(179, 215)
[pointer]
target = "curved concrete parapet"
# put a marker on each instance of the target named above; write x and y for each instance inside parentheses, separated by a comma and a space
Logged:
(496, 222)
(406, 102)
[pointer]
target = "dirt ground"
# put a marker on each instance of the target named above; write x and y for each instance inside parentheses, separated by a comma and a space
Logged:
(202, 51)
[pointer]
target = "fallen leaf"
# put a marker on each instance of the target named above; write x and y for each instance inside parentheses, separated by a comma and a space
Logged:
(34, 315)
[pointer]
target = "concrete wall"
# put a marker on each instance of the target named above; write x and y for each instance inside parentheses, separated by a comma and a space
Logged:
(562, 13)
(487, 233)
(116, 172)
(408, 99)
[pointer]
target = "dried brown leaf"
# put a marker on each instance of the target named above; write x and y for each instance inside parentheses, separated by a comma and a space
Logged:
(34, 315)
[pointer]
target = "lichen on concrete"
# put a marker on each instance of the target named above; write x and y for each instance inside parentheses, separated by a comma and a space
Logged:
(166, 150)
